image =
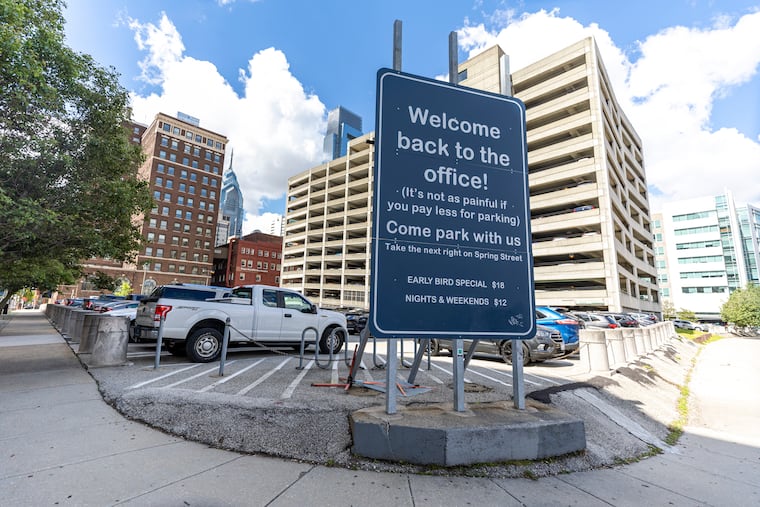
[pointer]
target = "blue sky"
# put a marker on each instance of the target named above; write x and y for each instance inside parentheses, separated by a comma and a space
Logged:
(266, 72)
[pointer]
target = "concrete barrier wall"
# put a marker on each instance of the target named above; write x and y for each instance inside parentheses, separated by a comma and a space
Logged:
(102, 339)
(608, 349)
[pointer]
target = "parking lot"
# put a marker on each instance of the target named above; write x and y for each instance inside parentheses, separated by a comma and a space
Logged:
(281, 374)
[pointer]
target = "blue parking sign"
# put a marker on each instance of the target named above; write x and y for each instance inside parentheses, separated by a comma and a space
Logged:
(451, 242)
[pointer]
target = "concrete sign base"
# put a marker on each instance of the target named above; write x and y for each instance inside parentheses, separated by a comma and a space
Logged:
(485, 433)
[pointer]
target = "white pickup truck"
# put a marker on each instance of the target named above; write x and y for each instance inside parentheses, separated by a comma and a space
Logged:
(259, 314)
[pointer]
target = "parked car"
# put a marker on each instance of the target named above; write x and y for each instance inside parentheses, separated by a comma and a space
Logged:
(684, 324)
(356, 321)
(567, 326)
(623, 319)
(96, 302)
(118, 305)
(546, 344)
(595, 320)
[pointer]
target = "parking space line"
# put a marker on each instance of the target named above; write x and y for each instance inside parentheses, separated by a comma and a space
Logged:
(230, 377)
(162, 377)
(449, 372)
(188, 379)
(547, 380)
(292, 387)
(365, 370)
(264, 377)
(488, 377)
(510, 376)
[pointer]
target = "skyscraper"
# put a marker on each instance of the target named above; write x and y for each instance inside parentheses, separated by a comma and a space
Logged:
(232, 213)
(342, 126)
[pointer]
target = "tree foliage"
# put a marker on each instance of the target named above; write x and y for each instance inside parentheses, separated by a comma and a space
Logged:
(668, 310)
(685, 314)
(68, 173)
(743, 307)
(102, 281)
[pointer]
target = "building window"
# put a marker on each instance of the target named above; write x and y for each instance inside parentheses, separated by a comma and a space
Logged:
(159, 181)
(151, 236)
(165, 141)
(181, 200)
(149, 251)
(159, 252)
(173, 157)
(162, 238)
(175, 144)
(182, 187)
(165, 211)
(163, 225)
(183, 174)
(169, 184)
(160, 168)
(152, 222)
(258, 277)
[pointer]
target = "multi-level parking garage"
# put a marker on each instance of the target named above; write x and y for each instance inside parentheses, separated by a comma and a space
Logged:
(592, 239)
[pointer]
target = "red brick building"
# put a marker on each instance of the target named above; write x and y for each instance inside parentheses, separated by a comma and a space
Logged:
(253, 259)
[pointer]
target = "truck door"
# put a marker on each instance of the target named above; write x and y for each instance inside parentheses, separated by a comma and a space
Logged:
(269, 318)
(296, 317)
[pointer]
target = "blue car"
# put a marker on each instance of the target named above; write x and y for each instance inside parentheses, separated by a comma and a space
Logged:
(567, 326)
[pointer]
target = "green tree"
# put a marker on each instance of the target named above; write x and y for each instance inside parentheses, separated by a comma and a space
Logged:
(743, 307)
(68, 173)
(102, 281)
(685, 314)
(123, 287)
(668, 310)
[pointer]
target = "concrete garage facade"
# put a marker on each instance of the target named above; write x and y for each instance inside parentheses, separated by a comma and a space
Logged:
(590, 218)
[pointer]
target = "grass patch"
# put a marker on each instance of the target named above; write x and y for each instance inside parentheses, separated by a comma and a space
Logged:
(675, 429)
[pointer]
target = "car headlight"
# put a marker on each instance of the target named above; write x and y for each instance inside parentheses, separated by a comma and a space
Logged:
(543, 333)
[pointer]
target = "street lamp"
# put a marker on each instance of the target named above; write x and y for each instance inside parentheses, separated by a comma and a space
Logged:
(145, 272)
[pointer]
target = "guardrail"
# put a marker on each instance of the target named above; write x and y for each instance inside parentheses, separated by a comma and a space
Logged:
(609, 349)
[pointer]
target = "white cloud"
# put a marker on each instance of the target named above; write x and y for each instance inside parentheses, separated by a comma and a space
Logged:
(668, 92)
(259, 222)
(275, 128)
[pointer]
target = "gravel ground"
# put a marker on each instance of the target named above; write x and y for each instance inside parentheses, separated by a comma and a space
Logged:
(626, 415)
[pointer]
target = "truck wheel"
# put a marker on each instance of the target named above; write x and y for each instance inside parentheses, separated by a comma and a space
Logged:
(332, 338)
(204, 345)
(506, 353)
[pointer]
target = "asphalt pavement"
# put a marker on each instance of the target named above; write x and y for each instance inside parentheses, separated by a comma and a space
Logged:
(62, 444)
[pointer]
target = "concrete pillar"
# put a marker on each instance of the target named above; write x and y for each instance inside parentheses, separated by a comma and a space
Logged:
(110, 348)
(78, 327)
(595, 343)
(89, 332)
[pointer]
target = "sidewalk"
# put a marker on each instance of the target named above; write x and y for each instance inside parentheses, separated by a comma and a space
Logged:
(62, 444)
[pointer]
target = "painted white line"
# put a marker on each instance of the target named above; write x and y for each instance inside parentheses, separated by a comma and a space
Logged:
(334, 379)
(365, 370)
(188, 379)
(434, 378)
(263, 377)
(229, 377)
(292, 387)
(450, 373)
(162, 377)
(510, 375)
(488, 377)
(547, 380)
